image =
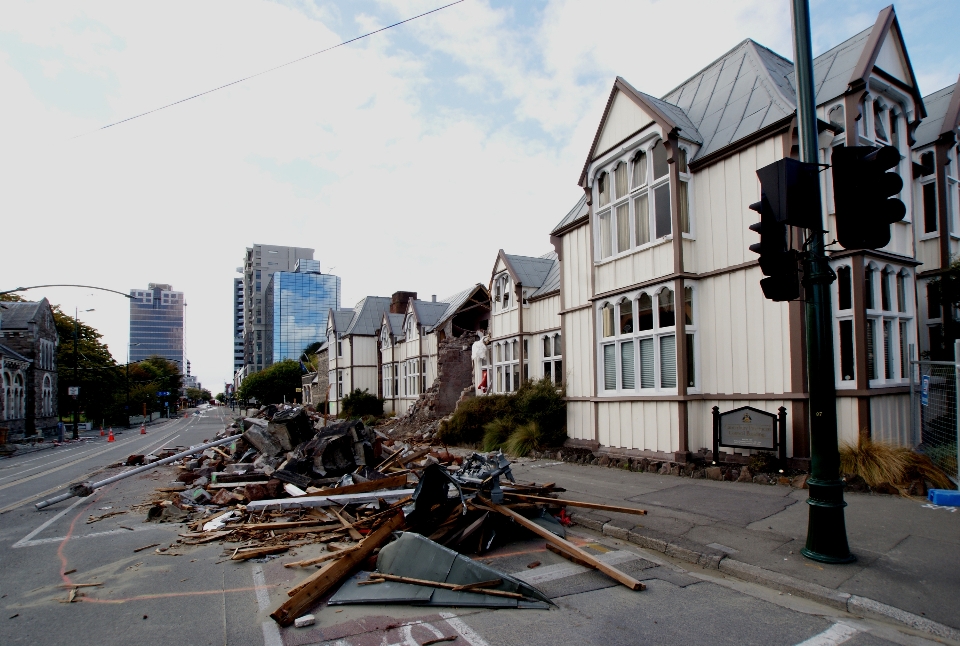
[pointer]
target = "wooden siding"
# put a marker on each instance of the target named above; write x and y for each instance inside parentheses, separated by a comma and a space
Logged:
(649, 425)
(700, 421)
(624, 119)
(928, 252)
(744, 343)
(848, 420)
(542, 315)
(504, 323)
(635, 267)
(578, 353)
(580, 421)
(576, 265)
(890, 420)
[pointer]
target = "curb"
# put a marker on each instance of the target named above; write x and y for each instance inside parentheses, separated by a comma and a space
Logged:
(691, 552)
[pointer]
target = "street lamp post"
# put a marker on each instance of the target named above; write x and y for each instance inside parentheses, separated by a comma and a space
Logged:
(126, 406)
(76, 377)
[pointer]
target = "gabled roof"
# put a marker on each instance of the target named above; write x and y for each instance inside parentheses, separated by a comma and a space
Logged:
(552, 281)
(428, 313)
(741, 92)
(18, 315)
(458, 300)
(367, 316)
(578, 212)
(12, 354)
(526, 270)
(943, 115)
(394, 322)
(340, 320)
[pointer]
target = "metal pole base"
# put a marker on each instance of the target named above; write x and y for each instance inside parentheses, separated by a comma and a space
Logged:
(826, 530)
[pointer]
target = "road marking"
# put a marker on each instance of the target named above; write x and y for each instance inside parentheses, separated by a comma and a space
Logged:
(271, 633)
(835, 634)
(47, 523)
(464, 630)
(540, 466)
(563, 570)
(44, 541)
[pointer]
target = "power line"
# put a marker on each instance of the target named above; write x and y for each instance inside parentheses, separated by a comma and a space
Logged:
(272, 69)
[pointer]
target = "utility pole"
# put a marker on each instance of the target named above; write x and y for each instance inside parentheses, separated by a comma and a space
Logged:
(76, 378)
(826, 530)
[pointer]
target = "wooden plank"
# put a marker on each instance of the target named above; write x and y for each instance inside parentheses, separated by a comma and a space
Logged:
(577, 503)
(354, 534)
(319, 524)
(320, 559)
(327, 501)
(324, 579)
(372, 485)
(568, 547)
(243, 555)
(234, 485)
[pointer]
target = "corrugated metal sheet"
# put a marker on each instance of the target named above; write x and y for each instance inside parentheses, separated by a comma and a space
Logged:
(890, 420)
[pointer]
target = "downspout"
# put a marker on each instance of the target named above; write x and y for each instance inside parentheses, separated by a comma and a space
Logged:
(523, 355)
(673, 150)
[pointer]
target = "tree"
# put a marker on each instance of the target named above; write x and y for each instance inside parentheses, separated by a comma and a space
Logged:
(149, 378)
(945, 288)
(309, 356)
(221, 398)
(272, 385)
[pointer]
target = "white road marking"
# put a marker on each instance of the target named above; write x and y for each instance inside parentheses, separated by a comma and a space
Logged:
(563, 570)
(464, 630)
(835, 634)
(540, 466)
(47, 524)
(271, 633)
(109, 532)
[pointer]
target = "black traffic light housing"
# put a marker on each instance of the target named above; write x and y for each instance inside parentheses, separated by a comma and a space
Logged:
(865, 195)
(789, 196)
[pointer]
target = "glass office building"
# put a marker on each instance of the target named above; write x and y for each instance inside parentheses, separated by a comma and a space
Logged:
(299, 301)
(156, 324)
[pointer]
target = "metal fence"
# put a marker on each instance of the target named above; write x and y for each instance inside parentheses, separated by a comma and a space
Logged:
(933, 401)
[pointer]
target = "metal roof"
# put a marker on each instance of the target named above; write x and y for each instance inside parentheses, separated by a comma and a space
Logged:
(937, 104)
(428, 313)
(577, 212)
(739, 93)
(367, 316)
(340, 320)
(833, 69)
(529, 272)
(394, 322)
(12, 354)
(552, 282)
(455, 302)
(16, 315)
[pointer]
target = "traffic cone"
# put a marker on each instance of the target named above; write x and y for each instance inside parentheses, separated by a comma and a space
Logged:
(110, 437)
(143, 430)
(101, 430)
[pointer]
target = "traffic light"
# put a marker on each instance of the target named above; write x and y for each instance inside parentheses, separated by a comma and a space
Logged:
(864, 194)
(789, 196)
(777, 261)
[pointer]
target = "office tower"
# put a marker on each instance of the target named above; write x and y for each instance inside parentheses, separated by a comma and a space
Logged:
(260, 263)
(298, 302)
(156, 324)
(238, 323)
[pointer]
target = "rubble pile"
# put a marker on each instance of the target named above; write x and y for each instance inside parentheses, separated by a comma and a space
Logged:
(292, 480)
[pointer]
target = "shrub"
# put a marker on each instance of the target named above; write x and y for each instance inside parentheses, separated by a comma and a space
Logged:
(360, 403)
(495, 433)
(535, 401)
(763, 462)
(879, 463)
(524, 439)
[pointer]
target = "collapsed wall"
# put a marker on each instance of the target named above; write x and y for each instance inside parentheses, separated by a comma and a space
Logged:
(454, 375)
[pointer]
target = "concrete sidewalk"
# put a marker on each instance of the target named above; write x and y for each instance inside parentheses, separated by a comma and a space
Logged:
(908, 552)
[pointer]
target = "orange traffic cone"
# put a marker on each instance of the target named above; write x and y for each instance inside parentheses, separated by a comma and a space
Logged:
(110, 437)
(143, 430)
(101, 430)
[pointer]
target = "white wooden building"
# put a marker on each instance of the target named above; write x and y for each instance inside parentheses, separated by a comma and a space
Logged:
(525, 340)
(409, 342)
(352, 356)
(661, 308)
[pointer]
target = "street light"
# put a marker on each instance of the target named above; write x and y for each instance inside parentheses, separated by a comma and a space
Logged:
(126, 407)
(76, 378)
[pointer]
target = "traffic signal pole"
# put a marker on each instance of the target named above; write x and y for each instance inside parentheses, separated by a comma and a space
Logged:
(826, 530)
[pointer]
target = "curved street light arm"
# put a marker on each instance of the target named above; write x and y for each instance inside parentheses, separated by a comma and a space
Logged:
(103, 289)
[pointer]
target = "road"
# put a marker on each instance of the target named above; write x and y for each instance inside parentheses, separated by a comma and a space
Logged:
(195, 597)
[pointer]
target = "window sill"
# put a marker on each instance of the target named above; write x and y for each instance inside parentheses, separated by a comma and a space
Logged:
(933, 235)
(646, 392)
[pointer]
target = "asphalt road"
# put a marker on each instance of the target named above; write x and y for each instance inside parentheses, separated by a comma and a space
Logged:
(189, 595)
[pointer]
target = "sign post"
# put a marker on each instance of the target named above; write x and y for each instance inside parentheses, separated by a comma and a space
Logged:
(750, 428)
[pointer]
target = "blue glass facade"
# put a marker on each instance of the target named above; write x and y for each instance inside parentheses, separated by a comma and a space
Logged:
(300, 301)
(156, 324)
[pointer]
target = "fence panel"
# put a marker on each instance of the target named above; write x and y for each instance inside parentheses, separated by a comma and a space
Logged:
(935, 413)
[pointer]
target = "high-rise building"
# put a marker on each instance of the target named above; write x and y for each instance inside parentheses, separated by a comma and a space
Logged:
(156, 324)
(238, 322)
(299, 302)
(259, 264)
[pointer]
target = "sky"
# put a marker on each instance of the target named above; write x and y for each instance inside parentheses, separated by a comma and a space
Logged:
(406, 159)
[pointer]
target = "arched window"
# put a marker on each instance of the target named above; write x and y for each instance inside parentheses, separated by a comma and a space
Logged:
(603, 189)
(667, 316)
(19, 404)
(47, 397)
(7, 396)
(606, 316)
(639, 169)
(836, 116)
(660, 166)
(626, 316)
(644, 312)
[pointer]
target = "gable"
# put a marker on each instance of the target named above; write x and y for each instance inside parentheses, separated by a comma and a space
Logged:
(624, 118)
(500, 266)
(891, 59)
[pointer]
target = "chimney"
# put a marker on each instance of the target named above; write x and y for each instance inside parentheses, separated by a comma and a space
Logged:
(433, 298)
(399, 300)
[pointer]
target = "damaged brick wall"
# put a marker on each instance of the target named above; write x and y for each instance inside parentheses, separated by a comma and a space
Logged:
(454, 374)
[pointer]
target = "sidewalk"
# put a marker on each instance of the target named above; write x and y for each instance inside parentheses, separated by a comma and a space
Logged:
(908, 552)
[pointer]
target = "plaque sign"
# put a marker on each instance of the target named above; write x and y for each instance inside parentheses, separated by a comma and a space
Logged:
(748, 428)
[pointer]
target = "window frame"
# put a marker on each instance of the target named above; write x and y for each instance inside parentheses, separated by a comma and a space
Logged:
(505, 365)
(889, 354)
(551, 361)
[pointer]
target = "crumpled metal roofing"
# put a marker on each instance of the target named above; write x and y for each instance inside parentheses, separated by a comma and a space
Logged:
(455, 302)
(930, 128)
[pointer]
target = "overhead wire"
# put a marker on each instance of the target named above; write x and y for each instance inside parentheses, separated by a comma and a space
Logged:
(272, 69)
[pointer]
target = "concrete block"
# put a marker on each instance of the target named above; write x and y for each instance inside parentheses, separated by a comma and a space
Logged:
(304, 621)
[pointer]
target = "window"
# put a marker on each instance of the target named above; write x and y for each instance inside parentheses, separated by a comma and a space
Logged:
(501, 291)
(844, 293)
(339, 384)
(836, 116)
(387, 379)
(868, 288)
(552, 358)
(888, 328)
(639, 353)
(339, 348)
(878, 118)
(626, 219)
(929, 206)
(506, 360)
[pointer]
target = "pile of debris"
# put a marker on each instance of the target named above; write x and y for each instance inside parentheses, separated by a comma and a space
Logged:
(407, 513)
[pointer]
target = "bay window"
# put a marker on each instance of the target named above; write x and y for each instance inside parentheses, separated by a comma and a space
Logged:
(638, 347)
(888, 325)
(553, 358)
(506, 362)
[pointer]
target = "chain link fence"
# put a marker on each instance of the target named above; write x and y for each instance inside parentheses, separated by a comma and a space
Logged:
(934, 407)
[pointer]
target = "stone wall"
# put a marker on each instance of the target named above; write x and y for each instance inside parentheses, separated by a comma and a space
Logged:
(454, 374)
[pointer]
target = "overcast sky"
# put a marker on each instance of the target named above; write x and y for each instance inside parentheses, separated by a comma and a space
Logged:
(406, 159)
